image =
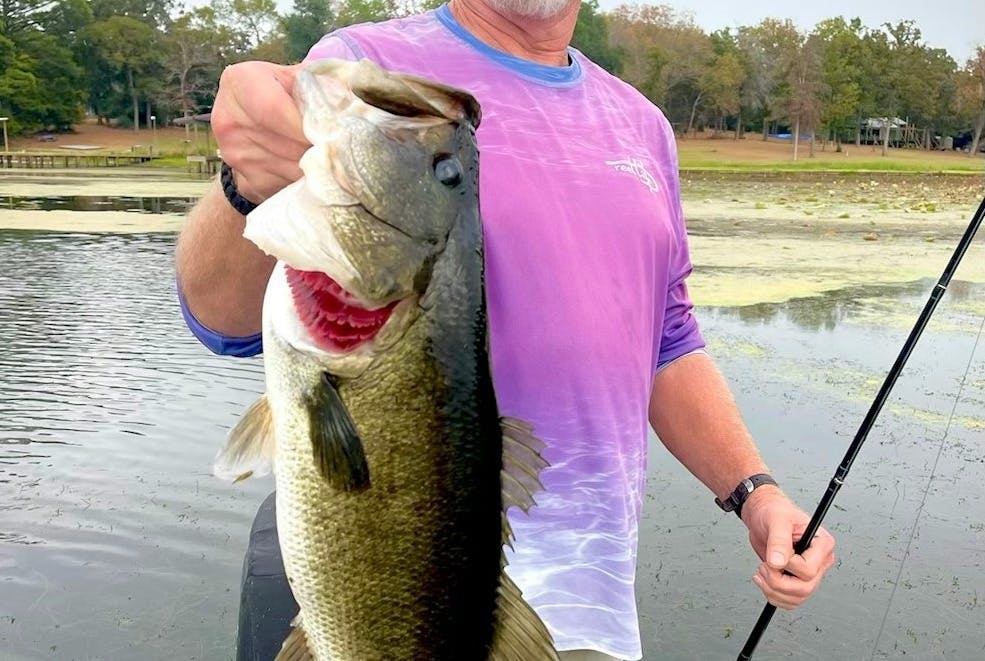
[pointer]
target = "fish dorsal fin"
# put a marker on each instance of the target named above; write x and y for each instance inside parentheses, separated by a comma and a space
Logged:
(295, 647)
(337, 447)
(520, 475)
(522, 464)
(250, 448)
(520, 635)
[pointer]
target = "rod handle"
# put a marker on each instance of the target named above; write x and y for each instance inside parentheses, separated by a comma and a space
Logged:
(799, 547)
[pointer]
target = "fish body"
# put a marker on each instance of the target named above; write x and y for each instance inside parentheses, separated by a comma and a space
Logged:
(392, 464)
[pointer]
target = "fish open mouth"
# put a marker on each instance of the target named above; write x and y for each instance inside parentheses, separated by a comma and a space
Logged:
(333, 316)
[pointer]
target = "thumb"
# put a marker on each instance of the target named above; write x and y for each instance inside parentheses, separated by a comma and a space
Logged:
(779, 542)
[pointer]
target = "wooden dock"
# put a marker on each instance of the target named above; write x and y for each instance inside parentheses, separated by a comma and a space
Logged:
(67, 159)
(206, 165)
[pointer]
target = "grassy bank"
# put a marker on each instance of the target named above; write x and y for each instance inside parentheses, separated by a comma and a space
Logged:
(171, 145)
(753, 154)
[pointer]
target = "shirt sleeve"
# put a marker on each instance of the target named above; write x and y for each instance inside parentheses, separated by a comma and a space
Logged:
(339, 45)
(217, 343)
(680, 333)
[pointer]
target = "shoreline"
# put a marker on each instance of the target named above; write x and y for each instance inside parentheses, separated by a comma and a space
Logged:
(756, 237)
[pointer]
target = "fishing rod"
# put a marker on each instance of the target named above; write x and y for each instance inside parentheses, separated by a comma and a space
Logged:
(870, 418)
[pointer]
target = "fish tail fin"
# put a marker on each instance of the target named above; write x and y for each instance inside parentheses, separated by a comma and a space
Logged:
(250, 448)
(295, 647)
(520, 634)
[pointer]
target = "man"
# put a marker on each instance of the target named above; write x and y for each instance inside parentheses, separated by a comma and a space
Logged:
(592, 334)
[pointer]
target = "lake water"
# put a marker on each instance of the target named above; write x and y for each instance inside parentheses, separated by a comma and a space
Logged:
(117, 543)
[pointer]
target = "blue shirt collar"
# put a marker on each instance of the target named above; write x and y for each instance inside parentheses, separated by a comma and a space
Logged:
(542, 73)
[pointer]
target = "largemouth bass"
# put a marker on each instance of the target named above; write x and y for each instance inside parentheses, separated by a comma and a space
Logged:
(392, 464)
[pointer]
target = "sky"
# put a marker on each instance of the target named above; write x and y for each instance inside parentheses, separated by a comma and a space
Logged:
(957, 26)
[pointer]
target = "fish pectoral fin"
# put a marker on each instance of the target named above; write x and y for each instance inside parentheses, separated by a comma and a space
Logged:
(295, 647)
(250, 447)
(522, 464)
(520, 634)
(338, 450)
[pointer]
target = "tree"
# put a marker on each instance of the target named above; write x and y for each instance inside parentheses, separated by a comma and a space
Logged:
(351, 12)
(592, 38)
(935, 112)
(636, 29)
(902, 71)
(769, 49)
(722, 81)
(154, 13)
(19, 97)
(129, 48)
(305, 25)
(19, 16)
(805, 90)
(972, 96)
(192, 59)
(249, 22)
(688, 56)
(65, 19)
(60, 93)
(41, 86)
(841, 58)
(666, 55)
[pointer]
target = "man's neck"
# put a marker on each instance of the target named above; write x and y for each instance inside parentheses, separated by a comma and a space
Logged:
(541, 40)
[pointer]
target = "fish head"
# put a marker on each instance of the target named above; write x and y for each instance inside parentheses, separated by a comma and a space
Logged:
(392, 168)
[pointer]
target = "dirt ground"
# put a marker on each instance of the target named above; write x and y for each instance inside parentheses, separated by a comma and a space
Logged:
(107, 137)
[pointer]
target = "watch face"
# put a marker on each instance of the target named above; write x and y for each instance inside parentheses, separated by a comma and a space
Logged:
(738, 497)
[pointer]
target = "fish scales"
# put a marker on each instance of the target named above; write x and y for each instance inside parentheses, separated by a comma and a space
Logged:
(386, 441)
(433, 448)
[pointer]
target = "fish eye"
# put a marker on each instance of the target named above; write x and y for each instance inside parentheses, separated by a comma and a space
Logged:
(448, 170)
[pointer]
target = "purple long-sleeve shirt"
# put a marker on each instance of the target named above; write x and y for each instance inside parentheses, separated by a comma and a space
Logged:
(586, 258)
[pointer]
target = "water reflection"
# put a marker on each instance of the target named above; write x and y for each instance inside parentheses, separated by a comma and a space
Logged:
(828, 310)
(154, 205)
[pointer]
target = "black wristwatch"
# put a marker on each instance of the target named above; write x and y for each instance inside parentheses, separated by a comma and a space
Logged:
(735, 499)
(240, 203)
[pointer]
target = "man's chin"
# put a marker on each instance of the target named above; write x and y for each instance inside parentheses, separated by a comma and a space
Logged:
(532, 9)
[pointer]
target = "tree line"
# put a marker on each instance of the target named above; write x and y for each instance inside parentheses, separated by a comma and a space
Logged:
(124, 61)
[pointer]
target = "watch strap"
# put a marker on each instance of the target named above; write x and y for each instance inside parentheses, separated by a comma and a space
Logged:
(735, 500)
(238, 202)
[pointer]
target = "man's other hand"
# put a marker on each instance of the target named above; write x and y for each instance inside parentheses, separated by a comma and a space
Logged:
(775, 524)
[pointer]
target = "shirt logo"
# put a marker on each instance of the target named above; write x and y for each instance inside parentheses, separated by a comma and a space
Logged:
(635, 167)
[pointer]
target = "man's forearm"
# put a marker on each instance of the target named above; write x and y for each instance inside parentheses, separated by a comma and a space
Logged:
(221, 274)
(696, 418)
(694, 414)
